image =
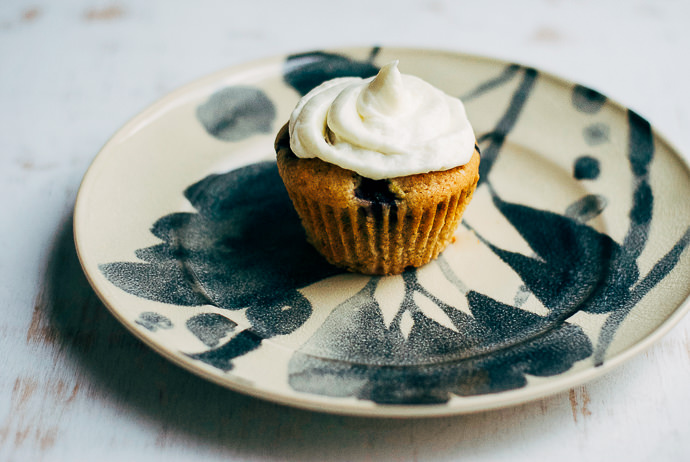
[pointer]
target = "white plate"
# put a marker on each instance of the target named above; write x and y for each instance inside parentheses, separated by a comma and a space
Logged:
(571, 258)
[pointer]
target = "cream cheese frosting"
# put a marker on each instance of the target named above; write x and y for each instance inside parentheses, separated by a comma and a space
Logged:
(385, 126)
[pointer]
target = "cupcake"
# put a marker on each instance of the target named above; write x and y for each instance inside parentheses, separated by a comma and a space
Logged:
(380, 170)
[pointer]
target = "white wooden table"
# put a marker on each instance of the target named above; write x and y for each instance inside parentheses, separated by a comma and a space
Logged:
(74, 384)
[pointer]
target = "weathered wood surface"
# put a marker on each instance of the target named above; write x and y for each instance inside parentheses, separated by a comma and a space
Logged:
(74, 384)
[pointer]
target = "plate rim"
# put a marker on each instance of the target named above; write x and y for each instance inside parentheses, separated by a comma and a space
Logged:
(313, 402)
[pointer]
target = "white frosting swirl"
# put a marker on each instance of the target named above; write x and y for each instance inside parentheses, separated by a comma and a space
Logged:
(382, 127)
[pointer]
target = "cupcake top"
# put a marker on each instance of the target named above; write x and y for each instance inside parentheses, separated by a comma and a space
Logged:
(386, 126)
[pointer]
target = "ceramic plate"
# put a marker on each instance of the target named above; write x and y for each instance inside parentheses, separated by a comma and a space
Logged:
(571, 258)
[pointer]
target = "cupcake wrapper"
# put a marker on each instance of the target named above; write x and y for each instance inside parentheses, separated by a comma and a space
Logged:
(380, 238)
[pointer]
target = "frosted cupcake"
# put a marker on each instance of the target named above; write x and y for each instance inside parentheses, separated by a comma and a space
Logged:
(380, 170)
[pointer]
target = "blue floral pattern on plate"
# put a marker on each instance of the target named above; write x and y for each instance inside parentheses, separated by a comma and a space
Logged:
(242, 250)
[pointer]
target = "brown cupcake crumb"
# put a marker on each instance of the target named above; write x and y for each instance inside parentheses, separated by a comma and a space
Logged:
(375, 226)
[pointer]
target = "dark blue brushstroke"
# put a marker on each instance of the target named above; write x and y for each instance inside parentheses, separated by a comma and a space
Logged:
(236, 113)
(497, 136)
(576, 266)
(586, 168)
(153, 321)
(249, 244)
(430, 341)
(432, 372)
(551, 353)
(640, 144)
(586, 208)
(587, 100)
(210, 328)
(166, 281)
(508, 73)
(660, 270)
(640, 155)
(244, 247)
(596, 134)
(305, 71)
(221, 357)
